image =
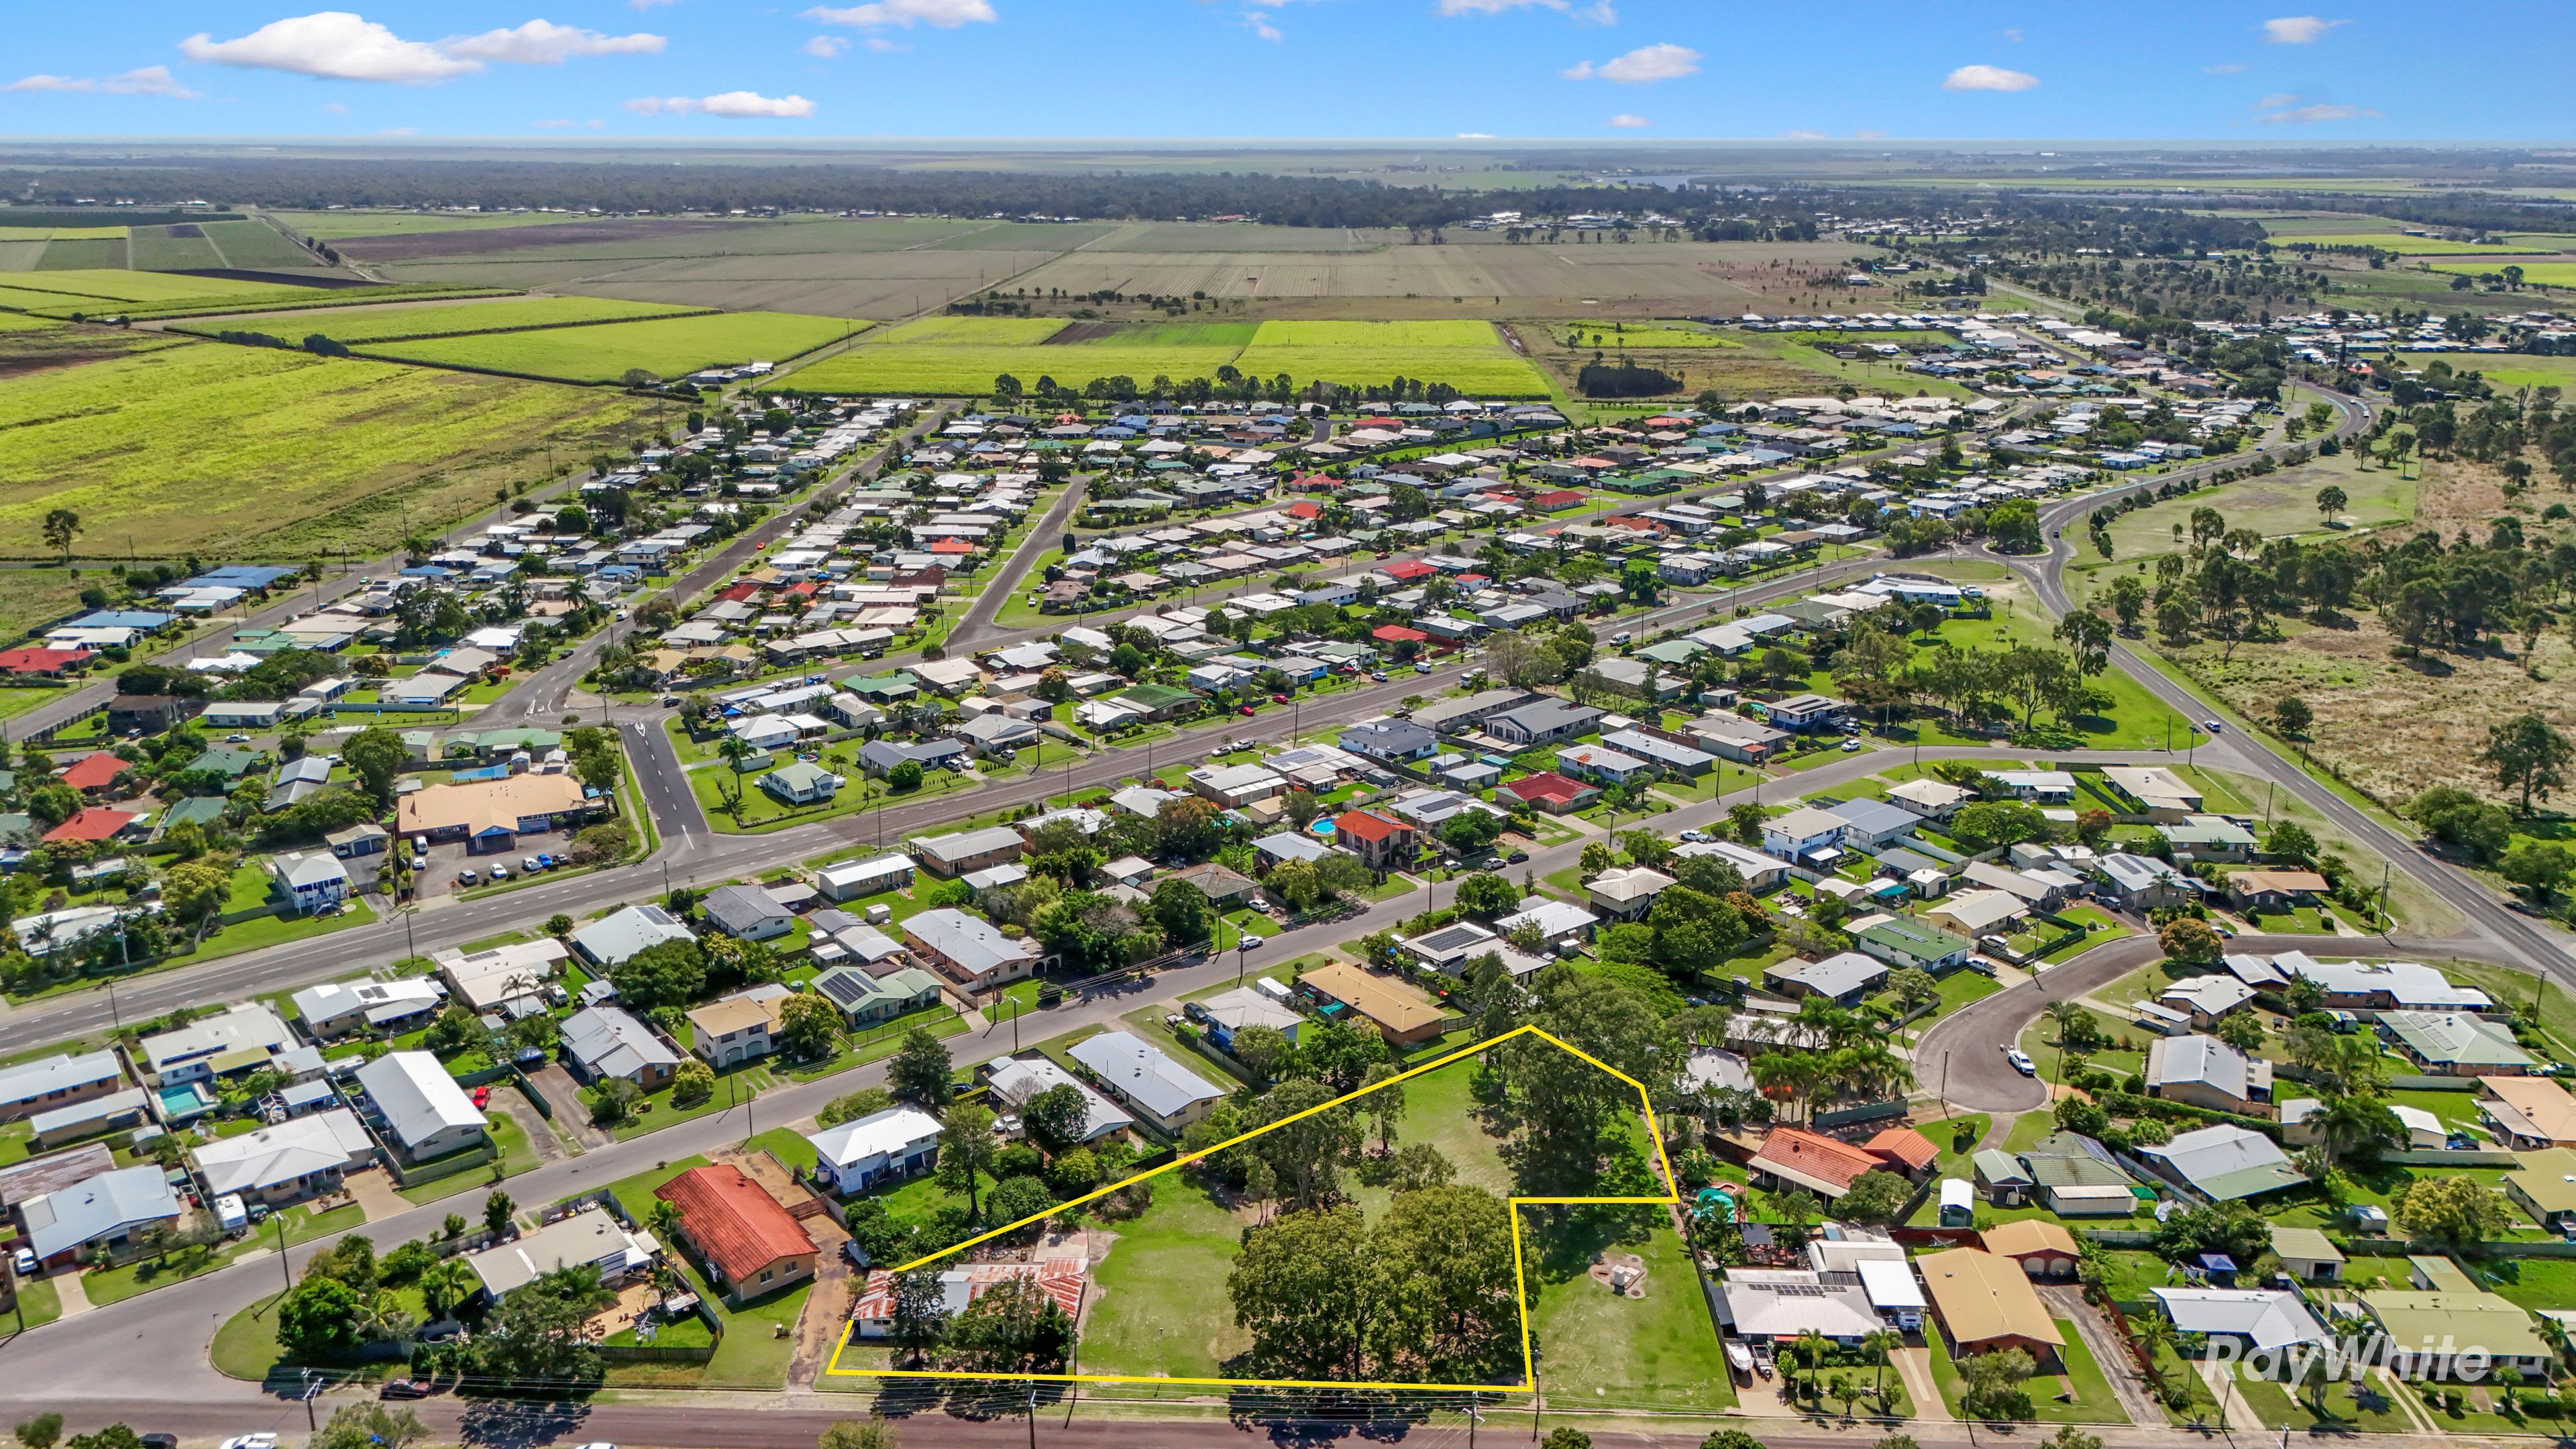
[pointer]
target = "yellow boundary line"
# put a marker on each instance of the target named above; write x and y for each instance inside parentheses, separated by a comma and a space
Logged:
(1520, 1280)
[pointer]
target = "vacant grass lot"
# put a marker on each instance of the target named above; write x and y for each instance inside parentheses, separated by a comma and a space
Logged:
(267, 453)
(670, 347)
(2507, 370)
(1657, 1350)
(354, 326)
(2547, 274)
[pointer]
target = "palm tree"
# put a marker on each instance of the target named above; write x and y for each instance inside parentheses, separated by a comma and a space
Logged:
(1811, 1352)
(1884, 1342)
(2154, 1336)
(735, 750)
(444, 1285)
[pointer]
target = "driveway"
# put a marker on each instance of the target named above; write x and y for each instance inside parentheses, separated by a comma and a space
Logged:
(572, 1114)
(1914, 1366)
(374, 1190)
(2117, 1364)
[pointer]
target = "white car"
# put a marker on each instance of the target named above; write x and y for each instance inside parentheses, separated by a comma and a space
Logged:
(2021, 1061)
(1251, 943)
(24, 1262)
(261, 1440)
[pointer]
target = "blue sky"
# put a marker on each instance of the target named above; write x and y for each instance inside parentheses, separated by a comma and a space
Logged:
(1186, 69)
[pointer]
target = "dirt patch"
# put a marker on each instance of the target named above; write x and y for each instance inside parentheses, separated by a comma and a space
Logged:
(1083, 332)
(1624, 1274)
(409, 245)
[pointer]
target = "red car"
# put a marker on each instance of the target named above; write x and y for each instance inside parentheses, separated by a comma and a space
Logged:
(1243, 709)
(482, 1098)
(1278, 699)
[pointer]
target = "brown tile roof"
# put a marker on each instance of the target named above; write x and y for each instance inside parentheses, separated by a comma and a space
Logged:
(2030, 1235)
(1821, 1163)
(734, 1221)
(1905, 1146)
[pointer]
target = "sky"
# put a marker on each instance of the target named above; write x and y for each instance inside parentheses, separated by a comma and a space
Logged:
(1319, 69)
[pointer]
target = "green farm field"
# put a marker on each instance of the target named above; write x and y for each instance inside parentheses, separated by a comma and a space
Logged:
(61, 233)
(2541, 273)
(2505, 369)
(275, 454)
(333, 225)
(461, 319)
(668, 347)
(2412, 246)
(104, 284)
(962, 355)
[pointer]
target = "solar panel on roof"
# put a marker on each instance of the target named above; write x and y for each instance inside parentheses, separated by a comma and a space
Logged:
(844, 989)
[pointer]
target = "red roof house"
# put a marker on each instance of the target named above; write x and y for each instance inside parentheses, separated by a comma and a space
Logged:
(1305, 508)
(1903, 1148)
(1313, 482)
(1380, 840)
(1819, 1164)
(740, 593)
(1556, 500)
(951, 546)
(1552, 792)
(93, 824)
(1406, 570)
(44, 662)
(753, 1245)
(1398, 634)
(95, 771)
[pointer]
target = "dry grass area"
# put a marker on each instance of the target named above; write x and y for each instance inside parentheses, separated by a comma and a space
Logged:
(2395, 726)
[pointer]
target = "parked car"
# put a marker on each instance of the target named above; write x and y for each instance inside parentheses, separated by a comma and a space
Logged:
(1422, 669)
(1694, 837)
(465, 877)
(1378, 674)
(530, 865)
(24, 1261)
(2021, 1061)
(1251, 943)
(157, 1441)
(260, 1440)
(406, 1389)
(482, 1098)
(1278, 699)
(1243, 709)
(1518, 857)
(500, 871)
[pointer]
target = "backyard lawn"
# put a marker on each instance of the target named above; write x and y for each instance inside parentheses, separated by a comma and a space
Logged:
(1657, 1350)
(1161, 1307)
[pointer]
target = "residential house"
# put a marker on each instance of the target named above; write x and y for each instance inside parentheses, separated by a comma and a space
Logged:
(47, 1083)
(970, 950)
(2275, 890)
(866, 998)
(2307, 1255)
(495, 978)
(852, 879)
(240, 1038)
(1542, 722)
(1783, 1305)
(1553, 793)
(1902, 943)
(2414, 1324)
(2223, 1163)
(1149, 1083)
(1236, 786)
(1790, 1157)
(1389, 741)
(800, 782)
(1401, 1013)
(887, 1146)
(739, 1028)
(1930, 799)
(748, 1243)
(2043, 1249)
(589, 1238)
(1975, 913)
(288, 1161)
(1801, 833)
(2140, 883)
(2209, 837)
(1382, 842)
(2202, 1071)
(1986, 1303)
(2260, 1320)
(2456, 1044)
(970, 850)
(424, 1113)
(1806, 713)
(1014, 1080)
(309, 882)
(746, 913)
(1230, 1012)
(604, 1042)
(2527, 1114)
(98, 1214)
(1626, 893)
(1843, 979)
(491, 815)
(613, 940)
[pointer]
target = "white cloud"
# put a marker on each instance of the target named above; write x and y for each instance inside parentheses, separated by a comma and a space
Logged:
(877, 14)
(1627, 122)
(2298, 29)
(734, 105)
(2310, 115)
(398, 131)
(2230, 68)
(335, 109)
(883, 46)
(1602, 13)
(1800, 136)
(151, 80)
(1259, 24)
(542, 42)
(1989, 78)
(334, 44)
(824, 47)
(2275, 101)
(1475, 135)
(1645, 65)
(553, 125)
(645, 5)
(2013, 34)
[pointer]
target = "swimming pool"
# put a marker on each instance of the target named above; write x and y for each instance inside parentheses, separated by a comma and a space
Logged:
(1321, 826)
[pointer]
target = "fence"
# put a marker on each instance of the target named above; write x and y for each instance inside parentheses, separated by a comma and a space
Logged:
(441, 1168)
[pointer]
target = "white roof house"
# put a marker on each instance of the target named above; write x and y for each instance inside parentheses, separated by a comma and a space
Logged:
(107, 1206)
(1145, 1078)
(315, 1146)
(185, 1052)
(1777, 1304)
(335, 1007)
(589, 1237)
(424, 1110)
(2263, 1318)
(2224, 1162)
(611, 941)
(1016, 1079)
(30, 1083)
(487, 979)
(858, 1152)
